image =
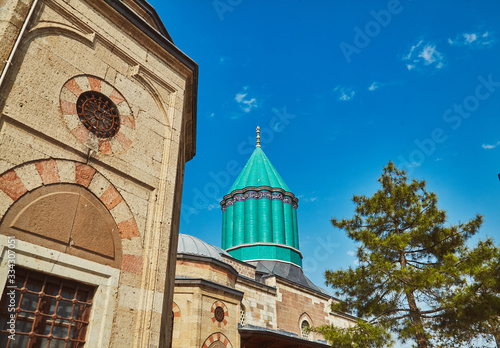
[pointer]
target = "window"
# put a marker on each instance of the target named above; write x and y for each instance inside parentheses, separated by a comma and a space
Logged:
(242, 315)
(304, 329)
(50, 311)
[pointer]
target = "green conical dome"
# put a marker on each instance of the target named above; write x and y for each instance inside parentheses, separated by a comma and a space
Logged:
(260, 215)
(259, 172)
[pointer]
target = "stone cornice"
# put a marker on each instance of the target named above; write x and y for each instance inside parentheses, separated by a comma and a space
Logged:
(259, 192)
(200, 282)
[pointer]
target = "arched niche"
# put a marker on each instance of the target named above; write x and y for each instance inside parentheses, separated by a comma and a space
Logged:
(67, 218)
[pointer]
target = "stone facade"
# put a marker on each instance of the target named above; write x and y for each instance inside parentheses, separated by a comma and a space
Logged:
(255, 304)
(50, 162)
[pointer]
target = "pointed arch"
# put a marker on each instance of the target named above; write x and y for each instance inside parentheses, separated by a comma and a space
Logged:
(213, 339)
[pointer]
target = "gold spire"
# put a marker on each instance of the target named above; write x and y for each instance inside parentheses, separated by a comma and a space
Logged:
(258, 136)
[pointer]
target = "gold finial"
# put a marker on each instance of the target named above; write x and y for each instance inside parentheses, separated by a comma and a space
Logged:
(258, 136)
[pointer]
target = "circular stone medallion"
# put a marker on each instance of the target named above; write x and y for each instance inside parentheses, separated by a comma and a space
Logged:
(219, 314)
(98, 114)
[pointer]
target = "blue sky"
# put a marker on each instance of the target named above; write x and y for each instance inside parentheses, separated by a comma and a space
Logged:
(339, 88)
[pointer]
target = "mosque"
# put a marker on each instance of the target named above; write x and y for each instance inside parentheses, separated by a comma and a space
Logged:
(252, 292)
(98, 112)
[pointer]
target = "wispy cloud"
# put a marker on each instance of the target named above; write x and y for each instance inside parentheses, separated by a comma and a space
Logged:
(414, 164)
(489, 147)
(213, 206)
(344, 93)
(351, 253)
(377, 84)
(309, 199)
(477, 39)
(246, 102)
(223, 60)
(423, 54)
(374, 86)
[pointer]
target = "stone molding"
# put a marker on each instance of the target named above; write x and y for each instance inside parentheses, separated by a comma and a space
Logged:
(200, 282)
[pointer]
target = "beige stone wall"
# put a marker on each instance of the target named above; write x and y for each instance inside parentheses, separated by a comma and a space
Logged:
(241, 267)
(79, 40)
(12, 15)
(259, 302)
(206, 270)
(295, 304)
(196, 326)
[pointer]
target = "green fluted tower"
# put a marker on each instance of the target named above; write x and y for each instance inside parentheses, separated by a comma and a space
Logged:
(260, 214)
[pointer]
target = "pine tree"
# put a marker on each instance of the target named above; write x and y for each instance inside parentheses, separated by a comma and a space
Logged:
(408, 258)
(472, 309)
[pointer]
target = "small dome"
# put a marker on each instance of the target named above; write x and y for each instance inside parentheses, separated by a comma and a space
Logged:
(195, 246)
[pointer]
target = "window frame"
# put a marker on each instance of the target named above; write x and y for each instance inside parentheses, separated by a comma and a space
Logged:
(52, 262)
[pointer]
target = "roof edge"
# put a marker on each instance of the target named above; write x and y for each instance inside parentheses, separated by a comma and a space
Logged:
(192, 257)
(187, 281)
(267, 244)
(163, 39)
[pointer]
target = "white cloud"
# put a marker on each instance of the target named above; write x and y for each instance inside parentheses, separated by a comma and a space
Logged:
(246, 103)
(423, 54)
(351, 253)
(223, 60)
(489, 147)
(212, 206)
(473, 40)
(309, 200)
(239, 97)
(212, 114)
(344, 93)
(375, 85)
(414, 164)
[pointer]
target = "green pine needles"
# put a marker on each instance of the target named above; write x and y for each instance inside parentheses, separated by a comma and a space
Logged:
(416, 275)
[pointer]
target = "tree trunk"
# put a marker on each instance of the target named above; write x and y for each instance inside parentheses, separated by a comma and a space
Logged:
(414, 311)
(417, 320)
(497, 339)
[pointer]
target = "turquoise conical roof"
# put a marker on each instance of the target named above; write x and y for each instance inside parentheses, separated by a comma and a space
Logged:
(260, 215)
(259, 172)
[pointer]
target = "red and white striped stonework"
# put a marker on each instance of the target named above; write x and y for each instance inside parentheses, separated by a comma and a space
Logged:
(68, 98)
(16, 182)
(176, 310)
(226, 313)
(218, 336)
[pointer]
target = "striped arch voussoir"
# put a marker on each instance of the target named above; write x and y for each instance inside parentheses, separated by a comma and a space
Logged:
(27, 177)
(218, 336)
(176, 310)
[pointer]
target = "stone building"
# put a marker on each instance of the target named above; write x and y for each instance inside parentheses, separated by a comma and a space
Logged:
(98, 117)
(254, 293)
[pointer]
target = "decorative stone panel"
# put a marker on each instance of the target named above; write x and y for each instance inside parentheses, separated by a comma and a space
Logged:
(220, 314)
